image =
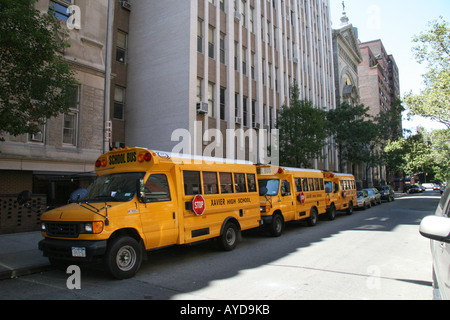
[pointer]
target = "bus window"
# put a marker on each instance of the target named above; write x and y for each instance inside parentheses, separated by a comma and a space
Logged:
(305, 184)
(311, 184)
(210, 183)
(226, 182)
(328, 186)
(285, 188)
(298, 185)
(271, 185)
(239, 182)
(251, 181)
(316, 184)
(192, 183)
(321, 184)
(157, 188)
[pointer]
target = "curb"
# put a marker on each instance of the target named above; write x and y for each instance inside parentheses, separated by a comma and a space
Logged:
(12, 274)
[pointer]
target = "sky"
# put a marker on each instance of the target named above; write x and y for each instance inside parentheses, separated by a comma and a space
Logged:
(395, 22)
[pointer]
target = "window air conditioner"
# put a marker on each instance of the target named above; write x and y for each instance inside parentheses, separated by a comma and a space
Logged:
(202, 107)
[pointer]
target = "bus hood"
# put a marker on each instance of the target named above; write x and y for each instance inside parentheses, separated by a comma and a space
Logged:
(82, 212)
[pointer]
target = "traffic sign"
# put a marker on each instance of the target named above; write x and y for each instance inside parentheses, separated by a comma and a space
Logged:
(302, 198)
(199, 205)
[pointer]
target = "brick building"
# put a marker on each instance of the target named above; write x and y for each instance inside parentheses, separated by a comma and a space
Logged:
(60, 158)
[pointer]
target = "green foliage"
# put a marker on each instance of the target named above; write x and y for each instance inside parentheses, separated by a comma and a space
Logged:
(35, 80)
(355, 133)
(433, 48)
(423, 153)
(302, 132)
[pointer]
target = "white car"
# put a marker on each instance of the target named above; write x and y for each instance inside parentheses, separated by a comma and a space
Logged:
(437, 228)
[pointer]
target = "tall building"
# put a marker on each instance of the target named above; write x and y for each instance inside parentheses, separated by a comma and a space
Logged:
(347, 57)
(379, 88)
(197, 68)
(379, 77)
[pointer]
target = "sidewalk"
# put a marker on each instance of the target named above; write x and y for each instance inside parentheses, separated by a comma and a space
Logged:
(19, 255)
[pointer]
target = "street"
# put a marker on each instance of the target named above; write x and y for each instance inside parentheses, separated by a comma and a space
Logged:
(373, 254)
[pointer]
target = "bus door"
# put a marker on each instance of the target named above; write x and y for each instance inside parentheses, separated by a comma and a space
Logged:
(286, 200)
(159, 212)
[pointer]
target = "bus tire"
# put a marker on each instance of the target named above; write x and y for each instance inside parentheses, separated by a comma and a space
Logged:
(312, 220)
(350, 208)
(276, 227)
(331, 213)
(123, 257)
(229, 237)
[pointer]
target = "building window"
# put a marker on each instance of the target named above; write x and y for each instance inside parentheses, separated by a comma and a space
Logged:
(38, 136)
(245, 111)
(199, 89)
(222, 103)
(119, 102)
(222, 48)
(211, 42)
(121, 48)
(244, 61)
(200, 35)
(59, 9)
(211, 100)
(70, 122)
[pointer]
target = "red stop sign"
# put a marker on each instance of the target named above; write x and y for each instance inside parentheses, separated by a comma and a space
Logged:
(302, 198)
(199, 205)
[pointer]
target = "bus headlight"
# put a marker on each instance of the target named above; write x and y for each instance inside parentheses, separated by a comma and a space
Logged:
(93, 227)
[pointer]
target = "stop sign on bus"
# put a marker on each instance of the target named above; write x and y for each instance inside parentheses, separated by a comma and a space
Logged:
(199, 205)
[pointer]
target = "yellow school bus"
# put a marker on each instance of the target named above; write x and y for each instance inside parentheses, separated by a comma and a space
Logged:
(144, 200)
(341, 192)
(290, 194)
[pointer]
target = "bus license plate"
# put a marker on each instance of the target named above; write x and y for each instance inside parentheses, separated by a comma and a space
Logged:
(79, 252)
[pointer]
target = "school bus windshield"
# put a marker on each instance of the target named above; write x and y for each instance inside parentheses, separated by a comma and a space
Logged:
(117, 187)
(272, 186)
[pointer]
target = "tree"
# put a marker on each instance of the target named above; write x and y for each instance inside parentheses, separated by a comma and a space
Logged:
(412, 155)
(355, 134)
(433, 48)
(302, 131)
(36, 82)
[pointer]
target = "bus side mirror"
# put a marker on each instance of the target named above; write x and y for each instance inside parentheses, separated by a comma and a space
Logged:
(140, 190)
(24, 197)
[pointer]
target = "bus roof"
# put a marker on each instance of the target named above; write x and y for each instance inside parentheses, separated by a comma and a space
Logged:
(142, 159)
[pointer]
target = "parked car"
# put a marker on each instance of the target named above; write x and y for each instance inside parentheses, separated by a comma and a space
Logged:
(414, 189)
(375, 196)
(387, 193)
(363, 200)
(428, 186)
(437, 228)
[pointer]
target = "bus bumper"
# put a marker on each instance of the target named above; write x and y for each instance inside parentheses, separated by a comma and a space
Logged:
(72, 250)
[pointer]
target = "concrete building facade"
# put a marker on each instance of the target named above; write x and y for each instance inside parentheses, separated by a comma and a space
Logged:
(208, 66)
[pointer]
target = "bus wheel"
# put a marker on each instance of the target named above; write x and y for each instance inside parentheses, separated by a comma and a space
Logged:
(350, 208)
(229, 237)
(312, 221)
(123, 258)
(331, 213)
(276, 228)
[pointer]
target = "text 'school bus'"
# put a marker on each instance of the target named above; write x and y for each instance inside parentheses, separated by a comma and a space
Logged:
(290, 194)
(143, 200)
(341, 192)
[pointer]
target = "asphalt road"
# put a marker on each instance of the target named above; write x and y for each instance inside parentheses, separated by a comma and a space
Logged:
(373, 254)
